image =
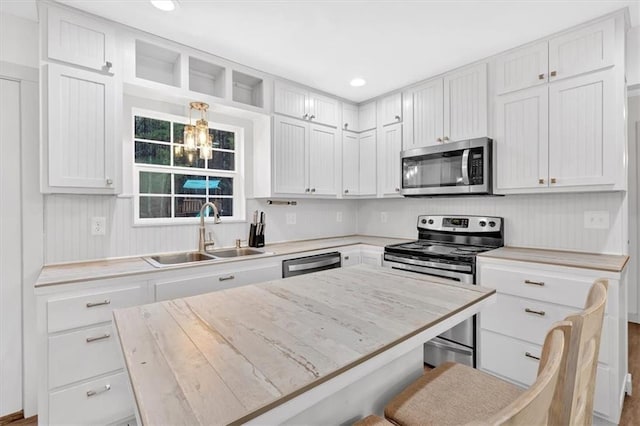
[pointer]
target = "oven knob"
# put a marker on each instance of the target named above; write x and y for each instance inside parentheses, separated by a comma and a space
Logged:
(492, 224)
(430, 221)
(483, 223)
(423, 221)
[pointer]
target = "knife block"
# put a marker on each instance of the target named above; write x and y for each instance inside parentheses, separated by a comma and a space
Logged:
(255, 240)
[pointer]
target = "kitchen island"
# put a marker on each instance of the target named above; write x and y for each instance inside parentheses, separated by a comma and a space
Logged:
(321, 348)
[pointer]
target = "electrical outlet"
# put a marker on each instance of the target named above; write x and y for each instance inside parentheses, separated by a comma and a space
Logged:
(98, 226)
(383, 217)
(339, 217)
(291, 218)
(596, 220)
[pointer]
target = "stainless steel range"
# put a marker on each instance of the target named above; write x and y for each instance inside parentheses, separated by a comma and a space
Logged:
(447, 247)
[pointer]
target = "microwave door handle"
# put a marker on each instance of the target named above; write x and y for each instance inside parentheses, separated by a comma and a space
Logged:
(465, 167)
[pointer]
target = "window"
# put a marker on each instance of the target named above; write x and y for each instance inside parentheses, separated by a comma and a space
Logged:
(171, 184)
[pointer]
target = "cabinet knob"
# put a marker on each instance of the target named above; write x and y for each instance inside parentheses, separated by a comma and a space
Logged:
(540, 76)
(346, 258)
(306, 190)
(108, 65)
(109, 181)
(439, 140)
(553, 73)
(553, 180)
(397, 189)
(346, 191)
(397, 117)
(227, 278)
(541, 181)
(346, 125)
(313, 190)
(311, 117)
(103, 389)
(446, 138)
(304, 117)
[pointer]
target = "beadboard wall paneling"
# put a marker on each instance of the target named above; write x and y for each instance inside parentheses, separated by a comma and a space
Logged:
(68, 236)
(541, 221)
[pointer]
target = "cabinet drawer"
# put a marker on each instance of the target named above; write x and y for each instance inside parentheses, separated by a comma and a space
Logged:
(82, 354)
(560, 288)
(506, 357)
(532, 326)
(90, 308)
(100, 401)
(204, 284)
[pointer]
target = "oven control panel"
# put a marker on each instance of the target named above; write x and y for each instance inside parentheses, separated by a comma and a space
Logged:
(461, 223)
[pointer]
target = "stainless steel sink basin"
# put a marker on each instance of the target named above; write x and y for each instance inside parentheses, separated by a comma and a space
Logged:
(178, 258)
(235, 252)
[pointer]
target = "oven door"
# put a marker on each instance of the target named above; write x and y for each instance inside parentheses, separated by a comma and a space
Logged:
(438, 351)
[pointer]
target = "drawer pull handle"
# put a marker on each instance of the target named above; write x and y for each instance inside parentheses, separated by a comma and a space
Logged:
(529, 355)
(95, 339)
(99, 391)
(539, 283)
(230, 277)
(532, 311)
(94, 304)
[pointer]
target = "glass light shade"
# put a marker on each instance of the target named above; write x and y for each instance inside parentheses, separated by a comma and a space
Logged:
(189, 138)
(202, 133)
(206, 150)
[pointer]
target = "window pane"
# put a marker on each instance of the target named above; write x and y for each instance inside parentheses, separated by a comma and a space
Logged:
(220, 186)
(184, 158)
(222, 161)
(222, 139)
(188, 207)
(188, 184)
(151, 207)
(152, 153)
(224, 205)
(155, 183)
(155, 130)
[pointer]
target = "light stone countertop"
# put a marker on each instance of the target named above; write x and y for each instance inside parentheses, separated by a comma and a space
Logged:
(113, 268)
(229, 356)
(601, 262)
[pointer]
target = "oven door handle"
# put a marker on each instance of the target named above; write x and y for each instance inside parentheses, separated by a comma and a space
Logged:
(442, 344)
(458, 276)
(465, 167)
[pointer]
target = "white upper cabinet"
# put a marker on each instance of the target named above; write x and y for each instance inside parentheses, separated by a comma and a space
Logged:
(350, 117)
(389, 163)
(367, 116)
(465, 103)
(80, 40)
(300, 103)
(423, 115)
(587, 49)
(322, 160)
(522, 68)
(81, 135)
(582, 137)
(290, 145)
(350, 164)
(390, 110)
(522, 139)
(368, 163)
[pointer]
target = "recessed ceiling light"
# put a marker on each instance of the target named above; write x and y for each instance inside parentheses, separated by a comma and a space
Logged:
(358, 82)
(165, 5)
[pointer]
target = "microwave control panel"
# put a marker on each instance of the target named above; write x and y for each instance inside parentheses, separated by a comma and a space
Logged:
(476, 167)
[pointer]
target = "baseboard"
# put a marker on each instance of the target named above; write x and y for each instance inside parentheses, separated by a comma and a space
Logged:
(10, 418)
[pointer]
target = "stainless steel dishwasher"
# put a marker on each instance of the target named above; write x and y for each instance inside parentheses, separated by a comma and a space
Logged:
(309, 264)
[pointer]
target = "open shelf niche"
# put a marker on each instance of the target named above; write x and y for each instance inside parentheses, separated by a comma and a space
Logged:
(248, 89)
(157, 64)
(207, 78)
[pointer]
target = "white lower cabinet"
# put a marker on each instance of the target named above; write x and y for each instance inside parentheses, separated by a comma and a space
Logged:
(530, 298)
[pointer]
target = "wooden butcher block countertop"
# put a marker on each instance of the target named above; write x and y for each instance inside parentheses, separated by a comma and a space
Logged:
(229, 356)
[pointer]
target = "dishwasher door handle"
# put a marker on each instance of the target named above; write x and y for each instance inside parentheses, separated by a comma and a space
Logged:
(313, 265)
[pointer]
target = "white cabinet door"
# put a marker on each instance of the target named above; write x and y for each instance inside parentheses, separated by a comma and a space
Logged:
(81, 137)
(423, 119)
(350, 117)
(582, 137)
(465, 104)
(290, 146)
(80, 40)
(350, 257)
(584, 50)
(390, 147)
(323, 110)
(322, 160)
(390, 109)
(526, 67)
(368, 166)
(367, 116)
(350, 164)
(522, 139)
(291, 100)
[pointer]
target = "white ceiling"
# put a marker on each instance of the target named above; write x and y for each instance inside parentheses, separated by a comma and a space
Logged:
(324, 44)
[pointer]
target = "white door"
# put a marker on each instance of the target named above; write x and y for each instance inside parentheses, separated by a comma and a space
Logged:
(322, 160)
(390, 110)
(424, 126)
(81, 137)
(10, 250)
(350, 164)
(522, 139)
(350, 117)
(584, 50)
(581, 126)
(323, 110)
(526, 67)
(291, 100)
(367, 116)
(290, 156)
(391, 146)
(80, 40)
(465, 104)
(368, 167)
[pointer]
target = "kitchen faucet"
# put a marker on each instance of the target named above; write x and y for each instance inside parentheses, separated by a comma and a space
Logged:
(203, 243)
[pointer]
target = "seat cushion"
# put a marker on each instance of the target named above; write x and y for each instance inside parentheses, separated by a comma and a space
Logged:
(452, 394)
(373, 420)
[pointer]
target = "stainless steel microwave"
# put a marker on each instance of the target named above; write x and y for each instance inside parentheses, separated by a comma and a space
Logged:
(455, 168)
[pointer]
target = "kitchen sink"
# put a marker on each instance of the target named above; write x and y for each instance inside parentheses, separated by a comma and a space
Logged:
(178, 258)
(235, 252)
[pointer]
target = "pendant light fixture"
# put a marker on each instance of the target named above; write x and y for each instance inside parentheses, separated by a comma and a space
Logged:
(198, 137)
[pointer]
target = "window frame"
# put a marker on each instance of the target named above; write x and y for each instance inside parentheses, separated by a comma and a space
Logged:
(239, 198)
